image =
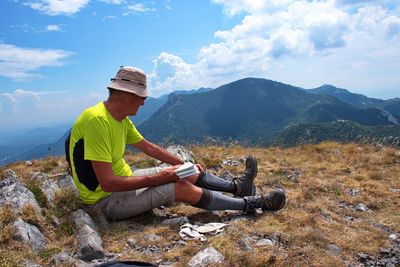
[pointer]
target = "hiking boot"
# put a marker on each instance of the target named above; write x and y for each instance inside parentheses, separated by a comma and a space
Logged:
(272, 201)
(245, 184)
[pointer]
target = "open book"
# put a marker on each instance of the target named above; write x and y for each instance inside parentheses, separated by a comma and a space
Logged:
(186, 170)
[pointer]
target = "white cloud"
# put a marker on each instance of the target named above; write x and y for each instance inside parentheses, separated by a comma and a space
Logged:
(57, 7)
(23, 100)
(23, 63)
(53, 28)
(115, 2)
(138, 9)
(274, 34)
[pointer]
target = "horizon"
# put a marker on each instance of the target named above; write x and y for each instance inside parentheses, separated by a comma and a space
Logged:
(57, 59)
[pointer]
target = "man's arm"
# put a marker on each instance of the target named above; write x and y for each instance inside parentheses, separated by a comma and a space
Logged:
(157, 152)
(112, 183)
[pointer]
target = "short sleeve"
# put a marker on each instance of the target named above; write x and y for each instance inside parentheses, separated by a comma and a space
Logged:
(134, 136)
(97, 140)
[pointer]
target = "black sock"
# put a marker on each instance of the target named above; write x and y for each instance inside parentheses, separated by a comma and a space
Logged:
(212, 182)
(212, 200)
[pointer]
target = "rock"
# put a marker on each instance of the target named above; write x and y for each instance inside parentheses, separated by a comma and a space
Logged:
(90, 245)
(349, 218)
(81, 218)
(292, 175)
(47, 185)
(176, 221)
(14, 194)
(394, 190)
(152, 237)
(28, 163)
(63, 259)
(334, 249)
(264, 242)
(29, 234)
(29, 263)
(393, 237)
(10, 177)
(207, 256)
(67, 182)
(230, 162)
(132, 242)
(353, 192)
(361, 207)
(181, 152)
(245, 243)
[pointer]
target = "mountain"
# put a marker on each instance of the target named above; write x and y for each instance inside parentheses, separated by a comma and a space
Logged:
(250, 110)
(340, 131)
(358, 100)
(153, 104)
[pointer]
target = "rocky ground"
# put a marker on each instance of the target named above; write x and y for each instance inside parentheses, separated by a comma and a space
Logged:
(342, 210)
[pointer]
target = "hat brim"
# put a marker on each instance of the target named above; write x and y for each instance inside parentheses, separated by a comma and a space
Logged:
(129, 87)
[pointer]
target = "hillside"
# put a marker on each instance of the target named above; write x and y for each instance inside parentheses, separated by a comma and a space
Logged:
(342, 210)
(339, 131)
(358, 100)
(251, 111)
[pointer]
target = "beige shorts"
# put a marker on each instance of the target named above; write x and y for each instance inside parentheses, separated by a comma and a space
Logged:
(123, 205)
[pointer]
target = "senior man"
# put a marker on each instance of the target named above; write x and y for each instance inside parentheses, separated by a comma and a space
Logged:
(95, 150)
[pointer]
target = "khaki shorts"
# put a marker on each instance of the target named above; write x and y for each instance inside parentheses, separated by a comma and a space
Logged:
(123, 205)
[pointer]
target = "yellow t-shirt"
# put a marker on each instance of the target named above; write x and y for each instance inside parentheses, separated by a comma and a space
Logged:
(96, 135)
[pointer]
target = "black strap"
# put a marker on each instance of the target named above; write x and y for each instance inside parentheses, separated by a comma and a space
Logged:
(67, 158)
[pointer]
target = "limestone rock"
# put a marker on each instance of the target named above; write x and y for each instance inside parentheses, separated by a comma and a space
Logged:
(67, 182)
(90, 244)
(180, 152)
(47, 185)
(176, 221)
(81, 218)
(63, 259)
(207, 256)
(29, 234)
(264, 242)
(14, 194)
(361, 207)
(28, 263)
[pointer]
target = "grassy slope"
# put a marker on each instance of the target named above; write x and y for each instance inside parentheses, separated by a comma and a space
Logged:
(311, 220)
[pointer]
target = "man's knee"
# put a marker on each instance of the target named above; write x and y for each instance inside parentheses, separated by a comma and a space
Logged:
(186, 192)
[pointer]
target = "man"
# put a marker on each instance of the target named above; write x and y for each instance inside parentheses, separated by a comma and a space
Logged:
(96, 147)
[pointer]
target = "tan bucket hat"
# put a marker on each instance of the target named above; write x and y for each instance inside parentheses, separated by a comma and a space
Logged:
(131, 80)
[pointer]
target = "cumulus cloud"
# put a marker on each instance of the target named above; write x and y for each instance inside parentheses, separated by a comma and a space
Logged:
(43, 107)
(22, 63)
(57, 7)
(23, 100)
(275, 33)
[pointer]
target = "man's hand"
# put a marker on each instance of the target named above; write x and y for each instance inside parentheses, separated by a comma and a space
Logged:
(201, 169)
(169, 173)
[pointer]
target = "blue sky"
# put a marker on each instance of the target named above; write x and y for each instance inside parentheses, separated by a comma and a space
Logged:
(57, 57)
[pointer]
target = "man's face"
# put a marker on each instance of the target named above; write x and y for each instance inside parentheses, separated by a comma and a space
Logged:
(135, 102)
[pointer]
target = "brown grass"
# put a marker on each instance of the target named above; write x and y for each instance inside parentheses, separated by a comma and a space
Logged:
(311, 220)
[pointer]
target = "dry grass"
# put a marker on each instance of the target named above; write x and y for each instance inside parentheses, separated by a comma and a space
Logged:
(319, 200)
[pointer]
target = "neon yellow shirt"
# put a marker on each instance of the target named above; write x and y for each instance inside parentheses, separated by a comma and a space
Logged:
(96, 135)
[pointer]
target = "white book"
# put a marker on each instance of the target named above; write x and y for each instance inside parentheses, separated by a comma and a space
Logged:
(187, 169)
